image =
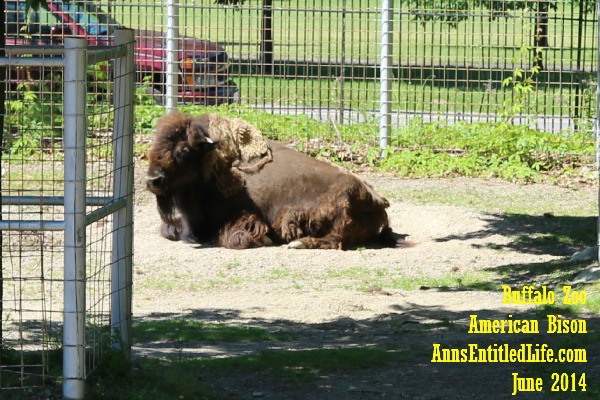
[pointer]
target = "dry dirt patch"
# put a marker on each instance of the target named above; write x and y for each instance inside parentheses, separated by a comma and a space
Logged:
(326, 299)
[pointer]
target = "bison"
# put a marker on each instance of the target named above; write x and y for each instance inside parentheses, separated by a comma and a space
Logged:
(218, 180)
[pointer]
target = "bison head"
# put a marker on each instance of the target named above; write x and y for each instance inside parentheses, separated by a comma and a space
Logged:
(176, 156)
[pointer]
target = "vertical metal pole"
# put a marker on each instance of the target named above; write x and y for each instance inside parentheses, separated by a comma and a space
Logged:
(74, 213)
(122, 240)
(386, 74)
(172, 54)
(342, 75)
(3, 86)
(597, 126)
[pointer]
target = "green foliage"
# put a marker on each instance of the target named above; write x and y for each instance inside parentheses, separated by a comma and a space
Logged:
(280, 127)
(307, 365)
(502, 150)
(31, 381)
(522, 83)
(143, 92)
(186, 378)
(35, 111)
(146, 117)
(37, 116)
(512, 152)
(585, 121)
(455, 11)
(449, 11)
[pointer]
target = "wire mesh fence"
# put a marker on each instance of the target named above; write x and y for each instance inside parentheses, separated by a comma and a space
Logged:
(528, 62)
(63, 148)
(475, 60)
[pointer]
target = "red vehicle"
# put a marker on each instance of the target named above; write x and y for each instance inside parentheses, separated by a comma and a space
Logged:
(203, 65)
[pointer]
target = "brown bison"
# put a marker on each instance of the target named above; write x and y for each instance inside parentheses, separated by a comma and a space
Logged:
(218, 180)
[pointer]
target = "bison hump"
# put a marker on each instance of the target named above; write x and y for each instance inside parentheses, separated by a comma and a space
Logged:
(242, 145)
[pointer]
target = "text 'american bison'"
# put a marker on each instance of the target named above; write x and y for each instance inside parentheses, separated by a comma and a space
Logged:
(219, 180)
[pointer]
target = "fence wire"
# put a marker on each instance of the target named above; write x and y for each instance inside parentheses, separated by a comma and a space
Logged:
(527, 62)
(32, 275)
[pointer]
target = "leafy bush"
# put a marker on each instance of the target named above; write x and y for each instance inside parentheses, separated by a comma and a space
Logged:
(514, 152)
(34, 112)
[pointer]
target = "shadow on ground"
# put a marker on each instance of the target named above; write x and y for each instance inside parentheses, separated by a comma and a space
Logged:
(536, 234)
(388, 356)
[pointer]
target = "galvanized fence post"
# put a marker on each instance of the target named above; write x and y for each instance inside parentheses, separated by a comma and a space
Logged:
(386, 74)
(75, 125)
(122, 246)
(597, 124)
(171, 81)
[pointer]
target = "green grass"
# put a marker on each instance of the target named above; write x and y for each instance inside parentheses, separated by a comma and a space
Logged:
(593, 299)
(553, 274)
(435, 96)
(545, 370)
(364, 278)
(283, 274)
(190, 378)
(529, 201)
(487, 149)
(569, 307)
(24, 369)
(175, 282)
(188, 330)
(306, 365)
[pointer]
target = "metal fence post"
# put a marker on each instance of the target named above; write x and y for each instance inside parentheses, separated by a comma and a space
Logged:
(597, 125)
(122, 249)
(386, 74)
(75, 119)
(171, 89)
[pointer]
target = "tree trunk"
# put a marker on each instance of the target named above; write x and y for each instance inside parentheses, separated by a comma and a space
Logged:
(266, 44)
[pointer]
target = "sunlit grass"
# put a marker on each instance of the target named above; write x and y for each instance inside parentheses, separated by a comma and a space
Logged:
(363, 278)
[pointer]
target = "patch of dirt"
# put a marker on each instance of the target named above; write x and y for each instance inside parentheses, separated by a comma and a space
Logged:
(335, 299)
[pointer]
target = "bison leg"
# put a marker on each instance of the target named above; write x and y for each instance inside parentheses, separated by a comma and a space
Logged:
(169, 231)
(290, 223)
(245, 232)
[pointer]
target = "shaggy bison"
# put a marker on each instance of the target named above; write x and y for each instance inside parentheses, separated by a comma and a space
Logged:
(218, 180)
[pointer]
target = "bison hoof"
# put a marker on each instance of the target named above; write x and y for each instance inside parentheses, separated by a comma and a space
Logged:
(296, 244)
(266, 241)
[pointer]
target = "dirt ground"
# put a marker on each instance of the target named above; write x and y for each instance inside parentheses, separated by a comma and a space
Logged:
(327, 300)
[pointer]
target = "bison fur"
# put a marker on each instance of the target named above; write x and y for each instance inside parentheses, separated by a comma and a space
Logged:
(210, 188)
